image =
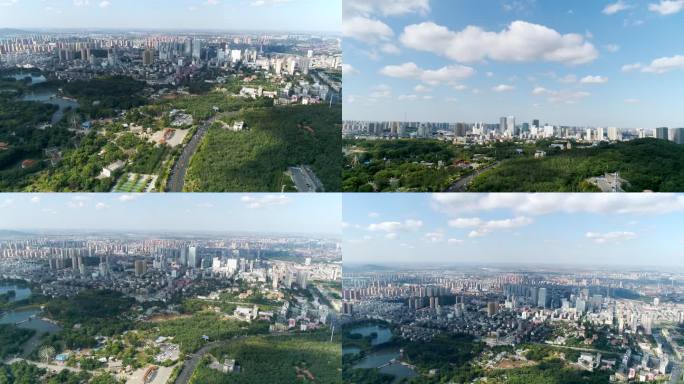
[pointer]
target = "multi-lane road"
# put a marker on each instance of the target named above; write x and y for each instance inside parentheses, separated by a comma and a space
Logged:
(177, 175)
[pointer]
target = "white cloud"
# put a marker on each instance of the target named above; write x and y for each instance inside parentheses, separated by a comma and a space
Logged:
(390, 49)
(35, 199)
(258, 3)
(126, 197)
(395, 226)
(489, 74)
(430, 76)
(665, 64)
(434, 237)
(519, 42)
(455, 241)
(381, 91)
(104, 4)
(594, 80)
(6, 203)
(562, 96)
(391, 236)
(610, 237)
(373, 214)
(8, 3)
(612, 48)
(546, 203)
(348, 70)
(464, 222)
(366, 30)
(101, 205)
(503, 88)
(614, 8)
(482, 227)
(632, 101)
(568, 79)
(81, 3)
(263, 201)
(407, 97)
(385, 7)
(631, 67)
(667, 7)
(422, 89)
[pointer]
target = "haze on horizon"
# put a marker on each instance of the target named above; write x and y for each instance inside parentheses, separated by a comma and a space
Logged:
(316, 214)
(227, 15)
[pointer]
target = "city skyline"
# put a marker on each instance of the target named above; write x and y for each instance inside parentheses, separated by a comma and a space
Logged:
(586, 64)
(540, 229)
(263, 213)
(232, 15)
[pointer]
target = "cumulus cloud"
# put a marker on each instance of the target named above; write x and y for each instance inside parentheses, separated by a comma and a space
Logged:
(422, 89)
(395, 226)
(434, 237)
(594, 80)
(430, 76)
(482, 227)
(385, 7)
(263, 201)
(366, 30)
(665, 64)
(381, 91)
(612, 48)
(126, 197)
(519, 42)
(349, 70)
(631, 67)
(100, 206)
(562, 96)
(667, 7)
(503, 88)
(614, 8)
(610, 237)
(546, 203)
(390, 49)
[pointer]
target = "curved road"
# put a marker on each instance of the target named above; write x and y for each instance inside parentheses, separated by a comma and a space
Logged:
(177, 175)
(461, 184)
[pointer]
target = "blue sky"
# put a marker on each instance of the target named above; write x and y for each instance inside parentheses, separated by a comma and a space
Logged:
(598, 63)
(261, 15)
(586, 229)
(290, 213)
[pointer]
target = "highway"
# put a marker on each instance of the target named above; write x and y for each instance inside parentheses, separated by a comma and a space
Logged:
(177, 175)
(461, 185)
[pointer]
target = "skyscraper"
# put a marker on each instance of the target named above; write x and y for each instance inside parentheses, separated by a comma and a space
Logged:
(193, 260)
(661, 133)
(542, 297)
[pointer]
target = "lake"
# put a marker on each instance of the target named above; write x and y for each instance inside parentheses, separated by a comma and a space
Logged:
(382, 356)
(20, 293)
(34, 79)
(50, 97)
(384, 334)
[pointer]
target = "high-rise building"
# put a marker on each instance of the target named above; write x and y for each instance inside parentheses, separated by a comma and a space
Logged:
(542, 298)
(491, 308)
(661, 133)
(613, 134)
(148, 57)
(196, 49)
(140, 267)
(535, 123)
(193, 259)
(678, 135)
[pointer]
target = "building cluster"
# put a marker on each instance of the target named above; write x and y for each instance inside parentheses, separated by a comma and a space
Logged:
(506, 129)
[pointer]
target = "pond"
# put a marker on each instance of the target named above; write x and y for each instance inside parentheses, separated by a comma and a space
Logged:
(387, 358)
(20, 293)
(34, 79)
(50, 97)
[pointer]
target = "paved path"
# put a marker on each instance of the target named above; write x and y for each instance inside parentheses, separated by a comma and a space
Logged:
(51, 367)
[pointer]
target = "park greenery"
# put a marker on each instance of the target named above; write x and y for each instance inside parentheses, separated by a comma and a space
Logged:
(187, 331)
(102, 97)
(297, 358)
(89, 314)
(413, 165)
(276, 138)
(12, 338)
(646, 164)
